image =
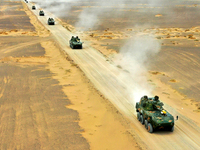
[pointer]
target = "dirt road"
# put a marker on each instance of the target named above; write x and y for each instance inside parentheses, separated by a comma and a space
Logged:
(104, 76)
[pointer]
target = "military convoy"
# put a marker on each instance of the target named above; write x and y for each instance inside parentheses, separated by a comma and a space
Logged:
(33, 7)
(75, 42)
(41, 13)
(151, 113)
(51, 21)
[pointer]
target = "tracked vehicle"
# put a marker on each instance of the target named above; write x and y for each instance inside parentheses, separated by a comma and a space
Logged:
(51, 21)
(41, 13)
(33, 7)
(75, 42)
(151, 113)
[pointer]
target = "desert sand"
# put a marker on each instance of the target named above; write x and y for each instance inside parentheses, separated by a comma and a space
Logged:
(94, 121)
(115, 83)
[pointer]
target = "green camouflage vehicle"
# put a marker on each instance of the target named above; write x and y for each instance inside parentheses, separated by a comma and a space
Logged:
(75, 43)
(33, 7)
(41, 13)
(50, 21)
(150, 112)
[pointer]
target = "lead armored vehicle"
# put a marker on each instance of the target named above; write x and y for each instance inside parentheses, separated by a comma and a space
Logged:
(50, 21)
(41, 13)
(150, 112)
(33, 7)
(75, 42)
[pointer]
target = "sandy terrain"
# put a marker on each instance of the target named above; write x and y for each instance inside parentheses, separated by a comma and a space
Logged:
(103, 75)
(70, 113)
(32, 103)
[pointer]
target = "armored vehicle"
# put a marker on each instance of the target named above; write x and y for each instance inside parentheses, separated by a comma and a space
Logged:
(75, 43)
(33, 7)
(50, 21)
(150, 112)
(41, 13)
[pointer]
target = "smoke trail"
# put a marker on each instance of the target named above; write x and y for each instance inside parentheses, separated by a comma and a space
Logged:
(134, 57)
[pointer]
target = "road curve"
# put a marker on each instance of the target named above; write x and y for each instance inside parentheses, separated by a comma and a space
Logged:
(106, 78)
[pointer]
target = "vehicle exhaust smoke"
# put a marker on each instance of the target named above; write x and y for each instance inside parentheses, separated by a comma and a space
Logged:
(134, 58)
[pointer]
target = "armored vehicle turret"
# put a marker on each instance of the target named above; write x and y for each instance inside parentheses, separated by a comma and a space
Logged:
(50, 21)
(150, 112)
(41, 13)
(75, 42)
(33, 7)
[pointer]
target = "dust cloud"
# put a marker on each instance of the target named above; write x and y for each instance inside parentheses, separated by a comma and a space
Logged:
(134, 55)
(134, 58)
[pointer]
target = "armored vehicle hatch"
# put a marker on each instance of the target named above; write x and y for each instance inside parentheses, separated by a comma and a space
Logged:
(150, 112)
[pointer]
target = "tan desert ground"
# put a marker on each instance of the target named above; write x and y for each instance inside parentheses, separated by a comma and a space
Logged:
(53, 97)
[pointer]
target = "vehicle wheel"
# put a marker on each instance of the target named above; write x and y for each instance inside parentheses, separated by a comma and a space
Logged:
(138, 116)
(141, 119)
(150, 128)
(172, 129)
(146, 124)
